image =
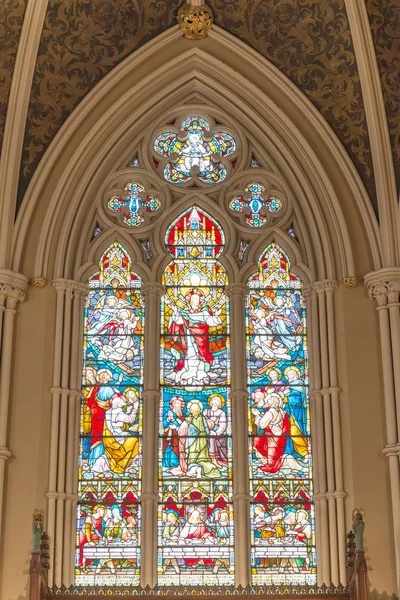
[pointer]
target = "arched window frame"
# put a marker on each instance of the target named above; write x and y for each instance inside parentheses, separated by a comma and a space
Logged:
(334, 562)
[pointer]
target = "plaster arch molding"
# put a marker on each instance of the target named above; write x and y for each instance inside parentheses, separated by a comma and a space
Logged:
(52, 229)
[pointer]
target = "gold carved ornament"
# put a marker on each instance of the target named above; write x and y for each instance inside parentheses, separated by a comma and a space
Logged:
(350, 282)
(195, 21)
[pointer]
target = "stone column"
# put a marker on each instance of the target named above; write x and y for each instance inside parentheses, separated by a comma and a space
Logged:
(63, 436)
(325, 400)
(237, 293)
(384, 287)
(12, 292)
(317, 436)
(151, 402)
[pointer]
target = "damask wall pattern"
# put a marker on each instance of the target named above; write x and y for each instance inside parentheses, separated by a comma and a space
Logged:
(384, 16)
(310, 41)
(11, 18)
(82, 40)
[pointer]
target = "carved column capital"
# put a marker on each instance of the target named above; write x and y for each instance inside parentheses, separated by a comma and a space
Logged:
(309, 291)
(12, 288)
(73, 287)
(327, 286)
(153, 289)
(384, 286)
(237, 289)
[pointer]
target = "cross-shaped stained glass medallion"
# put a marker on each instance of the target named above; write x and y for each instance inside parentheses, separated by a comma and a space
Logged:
(133, 203)
(195, 153)
(256, 203)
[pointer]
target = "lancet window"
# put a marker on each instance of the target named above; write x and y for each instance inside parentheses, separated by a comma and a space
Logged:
(195, 451)
(282, 512)
(108, 520)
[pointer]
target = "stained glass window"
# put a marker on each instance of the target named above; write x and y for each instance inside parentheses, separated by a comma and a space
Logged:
(255, 202)
(96, 231)
(108, 519)
(292, 232)
(135, 162)
(195, 523)
(254, 164)
(132, 203)
(243, 245)
(195, 153)
(282, 512)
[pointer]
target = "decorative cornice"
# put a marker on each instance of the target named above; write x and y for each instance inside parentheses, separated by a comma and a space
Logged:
(153, 289)
(237, 289)
(350, 282)
(5, 453)
(195, 20)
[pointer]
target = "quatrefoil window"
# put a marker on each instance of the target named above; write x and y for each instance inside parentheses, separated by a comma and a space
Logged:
(255, 204)
(195, 152)
(133, 204)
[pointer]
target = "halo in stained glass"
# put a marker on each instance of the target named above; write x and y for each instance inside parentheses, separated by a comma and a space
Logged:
(132, 202)
(192, 154)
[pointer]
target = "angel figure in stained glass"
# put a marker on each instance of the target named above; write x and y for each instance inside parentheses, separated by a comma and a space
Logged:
(191, 326)
(264, 346)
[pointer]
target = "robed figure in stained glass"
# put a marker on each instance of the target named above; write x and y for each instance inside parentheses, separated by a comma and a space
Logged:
(190, 326)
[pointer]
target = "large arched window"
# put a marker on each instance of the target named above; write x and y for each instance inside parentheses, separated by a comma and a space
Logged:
(195, 484)
(229, 500)
(108, 529)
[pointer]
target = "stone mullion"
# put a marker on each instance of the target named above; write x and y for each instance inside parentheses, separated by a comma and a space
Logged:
(317, 436)
(80, 292)
(239, 403)
(12, 288)
(151, 402)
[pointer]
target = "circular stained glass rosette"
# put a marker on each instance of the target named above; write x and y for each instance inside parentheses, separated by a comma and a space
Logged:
(274, 205)
(195, 124)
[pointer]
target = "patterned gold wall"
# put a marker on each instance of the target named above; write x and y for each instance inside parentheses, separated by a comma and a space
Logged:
(384, 16)
(82, 40)
(308, 40)
(11, 19)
